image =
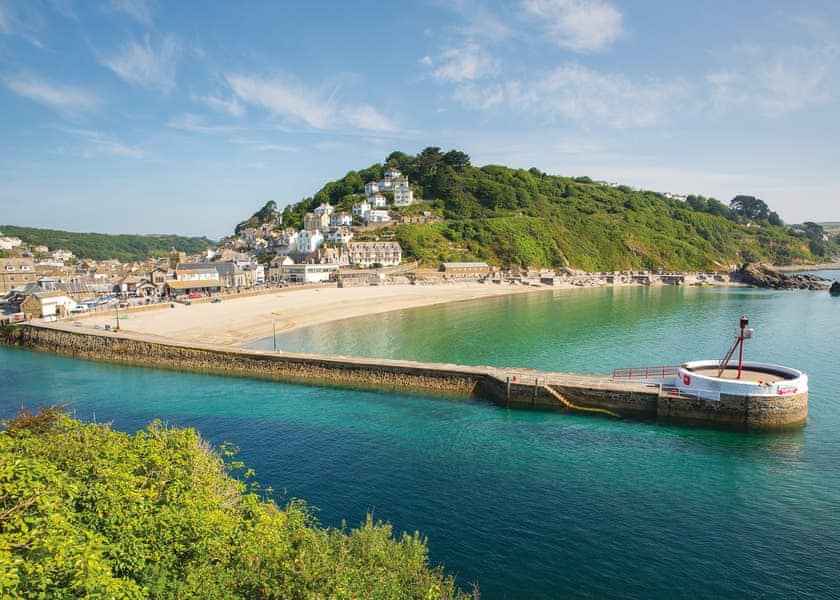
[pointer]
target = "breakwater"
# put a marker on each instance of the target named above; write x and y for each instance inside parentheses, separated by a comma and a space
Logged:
(521, 388)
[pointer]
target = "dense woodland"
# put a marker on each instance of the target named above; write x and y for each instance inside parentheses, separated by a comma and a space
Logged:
(101, 246)
(86, 511)
(526, 217)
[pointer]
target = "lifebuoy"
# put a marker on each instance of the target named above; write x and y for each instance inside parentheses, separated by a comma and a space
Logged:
(687, 379)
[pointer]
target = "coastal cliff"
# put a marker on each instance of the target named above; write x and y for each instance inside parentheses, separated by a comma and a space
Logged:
(764, 276)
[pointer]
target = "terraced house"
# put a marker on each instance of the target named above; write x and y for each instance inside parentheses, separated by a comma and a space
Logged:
(16, 273)
(367, 254)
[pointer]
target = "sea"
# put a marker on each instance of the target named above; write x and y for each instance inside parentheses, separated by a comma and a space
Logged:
(529, 504)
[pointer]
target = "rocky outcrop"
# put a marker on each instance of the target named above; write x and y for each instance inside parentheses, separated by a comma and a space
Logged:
(763, 276)
(834, 290)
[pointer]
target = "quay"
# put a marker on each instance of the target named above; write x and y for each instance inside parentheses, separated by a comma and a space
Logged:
(605, 395)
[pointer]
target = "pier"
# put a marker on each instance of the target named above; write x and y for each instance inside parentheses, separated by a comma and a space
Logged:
(603, 395)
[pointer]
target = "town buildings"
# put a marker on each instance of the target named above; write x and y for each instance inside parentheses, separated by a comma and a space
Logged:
(366, 254)
(16, 272)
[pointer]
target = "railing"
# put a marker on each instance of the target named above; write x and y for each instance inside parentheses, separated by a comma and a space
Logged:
(646, 372)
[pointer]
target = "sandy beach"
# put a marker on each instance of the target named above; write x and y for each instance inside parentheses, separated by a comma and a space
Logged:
(238, 320)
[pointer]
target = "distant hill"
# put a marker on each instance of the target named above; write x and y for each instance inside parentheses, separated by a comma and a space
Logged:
(525, 217)
(101, 246)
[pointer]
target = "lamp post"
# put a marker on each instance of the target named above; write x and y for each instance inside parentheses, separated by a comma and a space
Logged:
(118, 314)
(274, 328)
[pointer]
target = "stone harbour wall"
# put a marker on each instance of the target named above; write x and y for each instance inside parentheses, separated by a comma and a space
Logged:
(573, 393)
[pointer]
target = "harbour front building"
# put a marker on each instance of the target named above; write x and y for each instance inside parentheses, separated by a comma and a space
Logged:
(366, 254)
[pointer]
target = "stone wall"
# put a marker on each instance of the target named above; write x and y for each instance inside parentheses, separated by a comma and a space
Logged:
(585, 394)
(243, 363)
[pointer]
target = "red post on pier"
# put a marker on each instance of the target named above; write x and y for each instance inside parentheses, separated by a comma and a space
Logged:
(744, 323)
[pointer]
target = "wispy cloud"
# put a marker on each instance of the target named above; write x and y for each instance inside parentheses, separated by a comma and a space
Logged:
(194, 123)
(141, 11)
(106, 143)
(466, 63)
(21, 20)
(262, 146)
(146, 64)
(579, 94)
(300, 105)
(579, 25)
(231, 106)
(776, 80)
(479, 21)
(67, 100)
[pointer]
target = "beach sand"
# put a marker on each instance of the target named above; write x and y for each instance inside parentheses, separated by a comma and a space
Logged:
(234, 321)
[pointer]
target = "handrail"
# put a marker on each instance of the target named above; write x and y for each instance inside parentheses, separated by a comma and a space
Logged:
(645, 372)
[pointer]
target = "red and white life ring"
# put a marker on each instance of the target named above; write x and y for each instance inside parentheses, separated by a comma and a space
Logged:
(687, 379)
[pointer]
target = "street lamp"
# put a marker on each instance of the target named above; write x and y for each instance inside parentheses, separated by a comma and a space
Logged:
(274, 328)
(118, 315)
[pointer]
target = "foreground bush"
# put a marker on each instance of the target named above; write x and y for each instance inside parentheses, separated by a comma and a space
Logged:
(86, 510)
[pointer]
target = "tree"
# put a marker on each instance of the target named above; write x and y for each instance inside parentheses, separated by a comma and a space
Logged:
(750, 207)
(456, 159)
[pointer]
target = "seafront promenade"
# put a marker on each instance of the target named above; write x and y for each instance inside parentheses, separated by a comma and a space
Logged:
(512, 387)
(238, 320)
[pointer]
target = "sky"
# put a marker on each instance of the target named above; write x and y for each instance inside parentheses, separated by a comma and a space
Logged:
(145, 116)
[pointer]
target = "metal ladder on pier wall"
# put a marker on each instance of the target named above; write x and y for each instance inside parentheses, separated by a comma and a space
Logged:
(572, 406)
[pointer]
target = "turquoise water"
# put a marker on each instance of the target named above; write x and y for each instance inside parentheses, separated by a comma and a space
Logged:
(530, 504)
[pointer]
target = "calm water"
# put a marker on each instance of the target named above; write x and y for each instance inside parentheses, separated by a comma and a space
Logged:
(531, 504)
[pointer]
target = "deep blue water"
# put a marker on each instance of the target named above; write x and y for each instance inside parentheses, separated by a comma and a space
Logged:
(530, 504)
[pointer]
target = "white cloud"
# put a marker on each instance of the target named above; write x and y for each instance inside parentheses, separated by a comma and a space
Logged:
(21, 20)
(141, 11)
(579, 25)
(106, 143)
(67, 100)
(480, 21)
(262, 146)
(300, 105)
(193, 123)
(146, 65)
(579, 94)
(776, 80)
(467, 63)
(232, 106)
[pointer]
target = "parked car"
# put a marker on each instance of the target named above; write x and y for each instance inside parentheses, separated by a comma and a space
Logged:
(80, 308)
(196, 295)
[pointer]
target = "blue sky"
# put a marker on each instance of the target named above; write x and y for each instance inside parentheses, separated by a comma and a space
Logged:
(185, 117)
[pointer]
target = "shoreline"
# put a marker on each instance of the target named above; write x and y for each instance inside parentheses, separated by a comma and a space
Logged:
(235, 322)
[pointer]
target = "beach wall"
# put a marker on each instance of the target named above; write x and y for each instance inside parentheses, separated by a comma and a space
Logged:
(535, 391)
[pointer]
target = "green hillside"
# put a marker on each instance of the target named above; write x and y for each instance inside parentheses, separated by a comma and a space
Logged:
(526, 217)
(101, 246)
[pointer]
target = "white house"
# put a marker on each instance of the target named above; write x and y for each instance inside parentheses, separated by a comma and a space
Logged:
(341, 219)
(7, 243)
(340, 235)
(403, 196)
(377, 201)
(371, 188)
(309, 241)
(360, 208)
(324, 209)
(377, 216)
(308, 273)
